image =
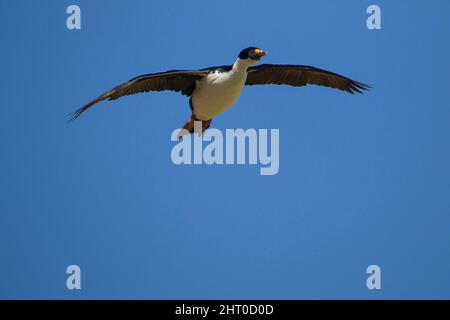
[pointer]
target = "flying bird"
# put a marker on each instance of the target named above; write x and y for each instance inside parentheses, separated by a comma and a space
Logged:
(213, 90)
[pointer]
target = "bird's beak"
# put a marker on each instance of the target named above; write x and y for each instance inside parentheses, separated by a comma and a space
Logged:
(261, 53)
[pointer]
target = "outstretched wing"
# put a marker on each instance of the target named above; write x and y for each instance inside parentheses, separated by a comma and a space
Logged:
(296, 75)
(176, 80)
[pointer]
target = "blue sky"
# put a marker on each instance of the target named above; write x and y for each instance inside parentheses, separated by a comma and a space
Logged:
(363, 179)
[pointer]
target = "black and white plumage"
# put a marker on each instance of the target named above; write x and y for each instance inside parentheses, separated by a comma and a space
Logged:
(213, 90)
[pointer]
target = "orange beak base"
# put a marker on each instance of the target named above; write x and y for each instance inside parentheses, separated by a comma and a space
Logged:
(260, 52)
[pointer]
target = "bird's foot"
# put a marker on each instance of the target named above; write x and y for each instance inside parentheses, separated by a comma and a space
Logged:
(194, 125)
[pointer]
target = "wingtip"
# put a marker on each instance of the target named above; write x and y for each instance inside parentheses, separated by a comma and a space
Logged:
(365, 86)
(71, 117)
(359, 87)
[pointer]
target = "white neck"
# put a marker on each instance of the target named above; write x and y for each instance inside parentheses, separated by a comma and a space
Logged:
(243, 65)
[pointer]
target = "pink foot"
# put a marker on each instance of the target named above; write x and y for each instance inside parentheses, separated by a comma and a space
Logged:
(190, 126)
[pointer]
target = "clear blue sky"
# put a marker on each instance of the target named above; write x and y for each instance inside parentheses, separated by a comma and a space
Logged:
(363, 179)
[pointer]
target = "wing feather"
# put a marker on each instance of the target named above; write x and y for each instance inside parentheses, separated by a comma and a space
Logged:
(297, 75)
(176, 80)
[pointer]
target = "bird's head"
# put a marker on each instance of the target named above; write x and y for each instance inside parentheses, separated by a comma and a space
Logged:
(252, 54)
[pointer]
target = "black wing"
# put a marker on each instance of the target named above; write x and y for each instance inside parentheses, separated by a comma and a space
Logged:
(176, 80)
(298, 76)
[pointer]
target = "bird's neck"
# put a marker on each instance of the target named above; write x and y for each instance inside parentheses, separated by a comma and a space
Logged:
(241, 65)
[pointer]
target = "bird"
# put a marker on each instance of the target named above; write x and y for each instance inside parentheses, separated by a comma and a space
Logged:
(214, 90)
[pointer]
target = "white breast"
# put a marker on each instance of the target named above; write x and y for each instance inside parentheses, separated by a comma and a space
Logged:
(215, 93)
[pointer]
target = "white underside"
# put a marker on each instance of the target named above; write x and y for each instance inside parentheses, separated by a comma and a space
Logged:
(218, 91)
